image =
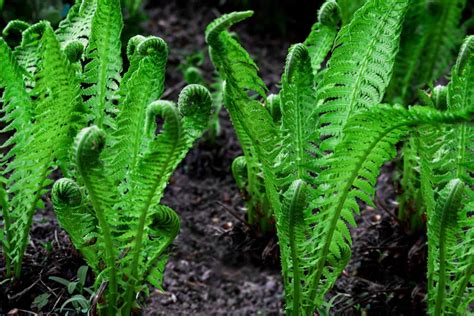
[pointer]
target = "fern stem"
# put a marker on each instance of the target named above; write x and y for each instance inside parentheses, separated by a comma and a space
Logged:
(109, 248)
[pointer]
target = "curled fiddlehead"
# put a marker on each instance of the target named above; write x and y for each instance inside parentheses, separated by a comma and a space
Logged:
(273, 105)
(239, 171)
(76, 218)
(194, 103)
(88, 146)
(330, 13)
(15, 26)
(321, 38)
(74, 50)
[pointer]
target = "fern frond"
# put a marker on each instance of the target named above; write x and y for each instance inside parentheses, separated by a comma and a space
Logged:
(145, 85)
(252, 122)
(88, 146)
(182, 126)
(369, 141)
(445, 37)
(75, 216)
(443, 227)
(360, 66)
(430, 36)
(321, 38)
(56, 118)
(292, 236)
(103, 71)
(297, 97)
(163, 229)
(461, 97)
(77, 24)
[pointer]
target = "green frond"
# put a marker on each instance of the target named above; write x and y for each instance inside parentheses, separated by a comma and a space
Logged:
(103, 70)
(17, 105)
(297, 104)
(292, 236)
(273, 105)
(350, 176)
(77, 24)
(443, 225)
(73, 51)
(56, 109)
(75, 216)
(163, 229)
(239, 172)
(14, 26)
(145, 85)
(88, 146)
(360, 66)
(182, 126)
(430, 36)
(323, 33)
(461, 97)
(445, 37)
(252, 122)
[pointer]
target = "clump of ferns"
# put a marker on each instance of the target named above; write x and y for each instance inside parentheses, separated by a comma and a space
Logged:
(241, 85)
(57, 83)
(432, 34)
(318, 145)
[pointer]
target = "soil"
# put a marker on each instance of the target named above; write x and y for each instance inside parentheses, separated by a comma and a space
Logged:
(217, 265)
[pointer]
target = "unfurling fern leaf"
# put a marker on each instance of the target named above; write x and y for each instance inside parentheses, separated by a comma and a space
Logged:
(323, 33)
(46, 125)
(128, 229)
(360, 66)
(450, 259)
(252, 122)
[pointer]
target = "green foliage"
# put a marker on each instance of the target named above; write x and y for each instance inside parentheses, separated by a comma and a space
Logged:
(431, 35)
(450, 255)
(129, 248)
(43, 117)
(316, 149)
(57, 84)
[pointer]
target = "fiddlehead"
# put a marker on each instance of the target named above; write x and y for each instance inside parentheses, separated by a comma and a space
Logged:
(323, 33)
(73, 51)
(143, 83)
(74, 216)
(330, 13)
(88, 146)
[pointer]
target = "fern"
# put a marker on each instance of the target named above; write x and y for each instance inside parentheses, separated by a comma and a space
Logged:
(340, 159)
(431, 35)
(44, 122)
(239, 72)
(350, 85)
(323, 33)
(103, 71)
(450, 259)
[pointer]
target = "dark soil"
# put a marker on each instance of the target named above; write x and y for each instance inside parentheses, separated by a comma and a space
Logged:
(217, 266)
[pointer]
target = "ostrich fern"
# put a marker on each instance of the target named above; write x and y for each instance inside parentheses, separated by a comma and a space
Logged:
(319, 146)
(57, 83)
